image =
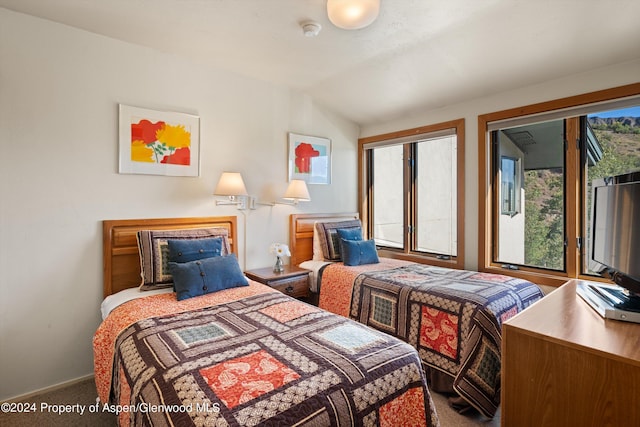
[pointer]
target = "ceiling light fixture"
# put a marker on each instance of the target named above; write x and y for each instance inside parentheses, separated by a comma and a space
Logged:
(310, 28)
(352, 14)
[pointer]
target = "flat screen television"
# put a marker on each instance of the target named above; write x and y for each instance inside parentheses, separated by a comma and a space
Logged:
(616, 231)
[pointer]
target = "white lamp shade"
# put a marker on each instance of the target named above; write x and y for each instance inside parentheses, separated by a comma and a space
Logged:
(297, 190)
(352, 14)
(230, 184)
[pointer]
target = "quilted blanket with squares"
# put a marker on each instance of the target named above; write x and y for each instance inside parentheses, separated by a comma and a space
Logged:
(452, 317)
(267, 360)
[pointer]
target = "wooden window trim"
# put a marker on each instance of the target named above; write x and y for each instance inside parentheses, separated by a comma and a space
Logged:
(364, 194)
(486, 217)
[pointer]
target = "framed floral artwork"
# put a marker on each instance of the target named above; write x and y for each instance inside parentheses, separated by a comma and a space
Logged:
(309, 158)
(158, 142)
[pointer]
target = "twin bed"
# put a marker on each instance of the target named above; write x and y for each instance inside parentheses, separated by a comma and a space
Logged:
(453, 318)
(249, 355)
(242, 355)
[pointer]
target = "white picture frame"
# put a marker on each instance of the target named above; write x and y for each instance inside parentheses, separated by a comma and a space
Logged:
(158, 142)
(309, 158)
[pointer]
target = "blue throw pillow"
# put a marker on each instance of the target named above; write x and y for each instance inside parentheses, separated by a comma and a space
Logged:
(359, 252)
(354, 233)
(207, 275)
(185, 250)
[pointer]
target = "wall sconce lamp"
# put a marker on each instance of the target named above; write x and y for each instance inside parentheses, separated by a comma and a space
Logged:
(231, 185)
(296, 192)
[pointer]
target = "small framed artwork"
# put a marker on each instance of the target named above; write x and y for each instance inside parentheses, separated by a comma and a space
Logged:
(158, 142)
(309, 159)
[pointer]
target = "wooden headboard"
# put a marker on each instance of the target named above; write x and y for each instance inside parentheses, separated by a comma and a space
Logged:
(301, 232)
(121, 262)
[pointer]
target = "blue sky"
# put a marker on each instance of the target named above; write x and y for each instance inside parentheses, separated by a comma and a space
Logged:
(625, 112)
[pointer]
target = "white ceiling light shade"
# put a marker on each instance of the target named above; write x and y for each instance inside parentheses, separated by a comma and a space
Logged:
(352, 14)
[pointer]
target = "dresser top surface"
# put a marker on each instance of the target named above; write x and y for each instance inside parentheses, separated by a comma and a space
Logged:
(564, 317)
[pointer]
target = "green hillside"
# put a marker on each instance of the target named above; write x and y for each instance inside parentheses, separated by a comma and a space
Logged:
(544, 204)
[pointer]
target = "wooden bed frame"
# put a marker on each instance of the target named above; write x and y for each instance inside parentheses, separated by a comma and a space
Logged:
(121, 262)
(301, 232)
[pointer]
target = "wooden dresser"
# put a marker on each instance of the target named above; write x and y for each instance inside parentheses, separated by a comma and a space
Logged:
(564, 365)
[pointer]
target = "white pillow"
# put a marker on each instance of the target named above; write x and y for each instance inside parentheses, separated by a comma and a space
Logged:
(315, 267)
(119, 298)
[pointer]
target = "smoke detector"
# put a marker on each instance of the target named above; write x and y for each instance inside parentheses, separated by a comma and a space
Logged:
(310, 28)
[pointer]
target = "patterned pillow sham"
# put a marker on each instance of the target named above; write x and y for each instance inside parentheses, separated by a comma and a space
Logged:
(329, 239)
(317, 247)
(154, 252)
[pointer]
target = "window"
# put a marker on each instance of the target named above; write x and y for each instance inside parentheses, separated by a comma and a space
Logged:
(535, 238)
(388, 171)
(612, 147)
(556, 149)
(413, 192)
(510, 186)
(435, 196)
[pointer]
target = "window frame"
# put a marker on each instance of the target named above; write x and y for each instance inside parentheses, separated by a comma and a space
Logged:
(365, 193)
(574, 199)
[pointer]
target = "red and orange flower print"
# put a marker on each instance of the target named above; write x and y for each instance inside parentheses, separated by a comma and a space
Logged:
(160, 142)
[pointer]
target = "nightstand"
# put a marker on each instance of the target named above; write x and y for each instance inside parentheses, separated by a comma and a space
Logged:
(293, 281)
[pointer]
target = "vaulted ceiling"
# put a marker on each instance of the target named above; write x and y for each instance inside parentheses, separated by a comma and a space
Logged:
(418, 54)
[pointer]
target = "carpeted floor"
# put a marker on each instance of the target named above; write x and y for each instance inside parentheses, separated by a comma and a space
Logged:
(83, 394)
(450, 418)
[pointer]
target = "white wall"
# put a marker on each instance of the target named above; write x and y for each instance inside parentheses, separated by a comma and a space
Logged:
(59, 92)
(511, 238)
(588, 81)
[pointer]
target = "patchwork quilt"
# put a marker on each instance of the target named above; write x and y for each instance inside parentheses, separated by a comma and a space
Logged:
(452, 317)
(266, 360)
